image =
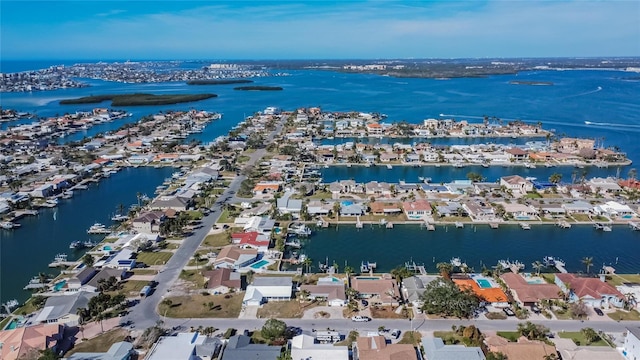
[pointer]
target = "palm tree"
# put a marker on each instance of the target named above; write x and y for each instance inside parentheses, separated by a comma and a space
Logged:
(445, 269)
(121, 209)
(197, 257)
(307, 262)
(632, 174)
(304, 294)
(588, 262)
(537, 265)
(336, 210)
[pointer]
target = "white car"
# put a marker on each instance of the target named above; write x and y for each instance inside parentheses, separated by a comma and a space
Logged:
(359, 318)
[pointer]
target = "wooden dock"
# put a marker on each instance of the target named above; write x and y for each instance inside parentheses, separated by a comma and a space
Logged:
(634, 226)
(560, 266)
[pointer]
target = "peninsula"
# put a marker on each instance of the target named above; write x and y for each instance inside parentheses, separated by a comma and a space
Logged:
(258, 88)
(138, 99)
(218, 82)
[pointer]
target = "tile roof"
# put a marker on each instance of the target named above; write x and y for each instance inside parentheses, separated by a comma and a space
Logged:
(585, 286)
(376, 348)
(526, 292)
(488, 294)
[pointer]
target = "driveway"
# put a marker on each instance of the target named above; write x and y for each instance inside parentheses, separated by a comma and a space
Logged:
(335, 312)
(249, 312)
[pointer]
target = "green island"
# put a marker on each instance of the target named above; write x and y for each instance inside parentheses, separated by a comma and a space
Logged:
(258, 88)
(527, 82)
(219, 82)
(138, 99)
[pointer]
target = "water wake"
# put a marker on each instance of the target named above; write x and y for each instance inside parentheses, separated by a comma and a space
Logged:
(598, 89)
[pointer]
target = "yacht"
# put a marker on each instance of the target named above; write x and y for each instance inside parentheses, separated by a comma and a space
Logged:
(98, 228)
(389, 167)
(299, 229)
(119, 217)
(8, 225)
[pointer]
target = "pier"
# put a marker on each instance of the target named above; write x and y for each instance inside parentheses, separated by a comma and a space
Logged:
(634, 226)
(559, 264)
(493, 225)
(563, 224)
(525, 226)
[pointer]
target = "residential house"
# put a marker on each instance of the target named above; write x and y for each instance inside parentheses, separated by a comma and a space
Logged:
(122, 259)
(413, 287)
(330, 289)
(516, 183)
(121, 350)
(374, 129)
(148, 222)
(631, 347)
(450, 208)
(260, 224)
(304, 347)
(184, 346)
(578, 207)
(93, 285)
(520, 211)
(377, 188)
(235, 257)
(381, 208)
(41, 191)
(523, 349)
(517, 154)
(614, 209)
(479, 211)
(266, 187)
(252, 239)
(287, 205)
(222, 280)
(376, 348)
(27, 342)
(599, 185)
(553, 210)
(79, 279)
(594, 292)
(492, 295)
(435, 349)
(176, 203)
(268, 288)
(530, 292)
(316, 207)
(63, 309)
(417, 209)
(569, 350)
(351, 209)
(240, 347)
(380, 290)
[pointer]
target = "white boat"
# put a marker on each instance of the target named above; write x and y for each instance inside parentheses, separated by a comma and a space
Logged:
(456, 262)
(485, 165)
(51, 202)
(525, 226)
(98, 228)
(458, 164)
(7, 225)
(389, 167)
(299, 229)
(81, 187)
(459, 225)
(119, 217)
(67, 194)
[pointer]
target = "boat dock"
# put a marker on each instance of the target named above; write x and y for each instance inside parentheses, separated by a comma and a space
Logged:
(563, 224)
(525, 226)
(634, 226)
(61, 261)
(459, 225)
(494, 225)
(414, 268)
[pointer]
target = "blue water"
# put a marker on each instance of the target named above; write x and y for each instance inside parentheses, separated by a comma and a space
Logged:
(605, 98)
(483, 283)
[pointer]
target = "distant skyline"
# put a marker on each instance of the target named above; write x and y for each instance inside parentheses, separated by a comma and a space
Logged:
(107, 30)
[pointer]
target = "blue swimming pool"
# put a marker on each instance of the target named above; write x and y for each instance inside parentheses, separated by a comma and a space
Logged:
(106, 248)
(346, 203)
(484, 283)
(259, 264)
(12, 325)
(59, 285)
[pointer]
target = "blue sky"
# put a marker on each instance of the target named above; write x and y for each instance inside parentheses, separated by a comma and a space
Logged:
(316, 29)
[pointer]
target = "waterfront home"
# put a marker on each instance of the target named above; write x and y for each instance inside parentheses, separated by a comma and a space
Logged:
(235, 257)
(569, 350)
(492, 295)
(93, 285)
(414, 287)
(614, 209)
(176, 203)
(239, 347)
(529, 291)
(520, 211)
(351, 209)
(222, 281)
(260, 224)
(523, 349)
(252, 239)
(484, 188)
(316, 207)
(573, 145)
(148, 222)
(450, 208)
(268, 288)
(631, 346)
(79, 279)
(184, 346)
(578, 207)
(63, 309)
(122, 260)
(374, 129)
(599, 185)
(379, 290)
(121, 350)
(479, 211)
(139, 159)
(247, 214)
(377, 188)
(434, 189)
(594, 292)
(329, 289)
(376, 348)
(553, 210)
(305, 347)
(381, 208)
(42, 191)
(516, 183)
(417, 209)
(517, 154)
(435, 349)
(27, 342)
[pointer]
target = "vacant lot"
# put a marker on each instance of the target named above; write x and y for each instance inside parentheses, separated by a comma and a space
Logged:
(202, 306)
(100, 343)
(616, 279)
(154, 258)
(579, 339)
(386, 312)
(217, 240)
(632, 315)
(284, 309)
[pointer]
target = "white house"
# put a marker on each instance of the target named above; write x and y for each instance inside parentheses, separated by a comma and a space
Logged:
(268, 288)
(631, 347)
(304, 347)
(516, 183)
(184, 346)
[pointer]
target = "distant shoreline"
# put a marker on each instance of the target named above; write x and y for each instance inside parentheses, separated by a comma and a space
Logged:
(218, 82)
(533, 83)
(258, 88)
(138, 99)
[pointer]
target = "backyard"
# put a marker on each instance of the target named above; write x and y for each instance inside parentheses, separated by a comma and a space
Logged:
(100, 343)
(579, 338)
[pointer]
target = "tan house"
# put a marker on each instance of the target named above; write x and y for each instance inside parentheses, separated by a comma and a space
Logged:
(380, 290)
(221, 281)
(235, 257)
(27, 342)
(523, 349)
(376, 348)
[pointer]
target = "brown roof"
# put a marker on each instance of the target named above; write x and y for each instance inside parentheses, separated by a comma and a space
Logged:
(233, 253)
(514, 179)
(380, 287)
(330, 291)
(222, 277)
(376, 348)
(593, 287)
(524, 349)
(17, 343)
(516, 151)
(529, 293)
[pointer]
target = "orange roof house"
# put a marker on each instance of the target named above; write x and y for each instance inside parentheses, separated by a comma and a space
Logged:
(492, 295)
(263, 188)
(23, 342)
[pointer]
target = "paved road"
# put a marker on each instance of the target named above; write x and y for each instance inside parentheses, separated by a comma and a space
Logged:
(144, 314)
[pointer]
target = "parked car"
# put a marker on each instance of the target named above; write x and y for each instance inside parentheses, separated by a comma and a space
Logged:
(535, 309)
(364, 302)
(359, 318)
(395, 333)
(598, 311)
(509, 312)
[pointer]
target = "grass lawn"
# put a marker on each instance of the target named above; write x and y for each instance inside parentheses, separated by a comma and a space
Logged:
(532, 195)
(4, 322)
(144, 272)
(318, 195)
(579, 339)
(385, 312)
(243, 159)
(195, 277)
(195, 215)
(497, 315)
(451, 219)
(353, 335)
(100, 343)
(632, 315)
(217, 240)
(581, 217)
(616, 279)
(512, 336)
(449, 337)
(154, 258)
(563, 315)
(411, 337)
(130, 287)
(203, 306)
(284, 309)
(27, 308)
(225, 217)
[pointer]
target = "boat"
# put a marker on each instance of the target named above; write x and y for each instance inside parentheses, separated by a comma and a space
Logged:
(81, 187)
(98, 228)
(456, 262)
(75, 245)
(549, 165)
(389, 167)
(67, 194)
(485, 165)
(119, 217)
(531, 178)
(8, 225)
(299, 229)
(51, 202)
(367, 266)
(603, 227)
(458, 164)
(10, 305)
(525, 226)
(549, 261)
(459, 225)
